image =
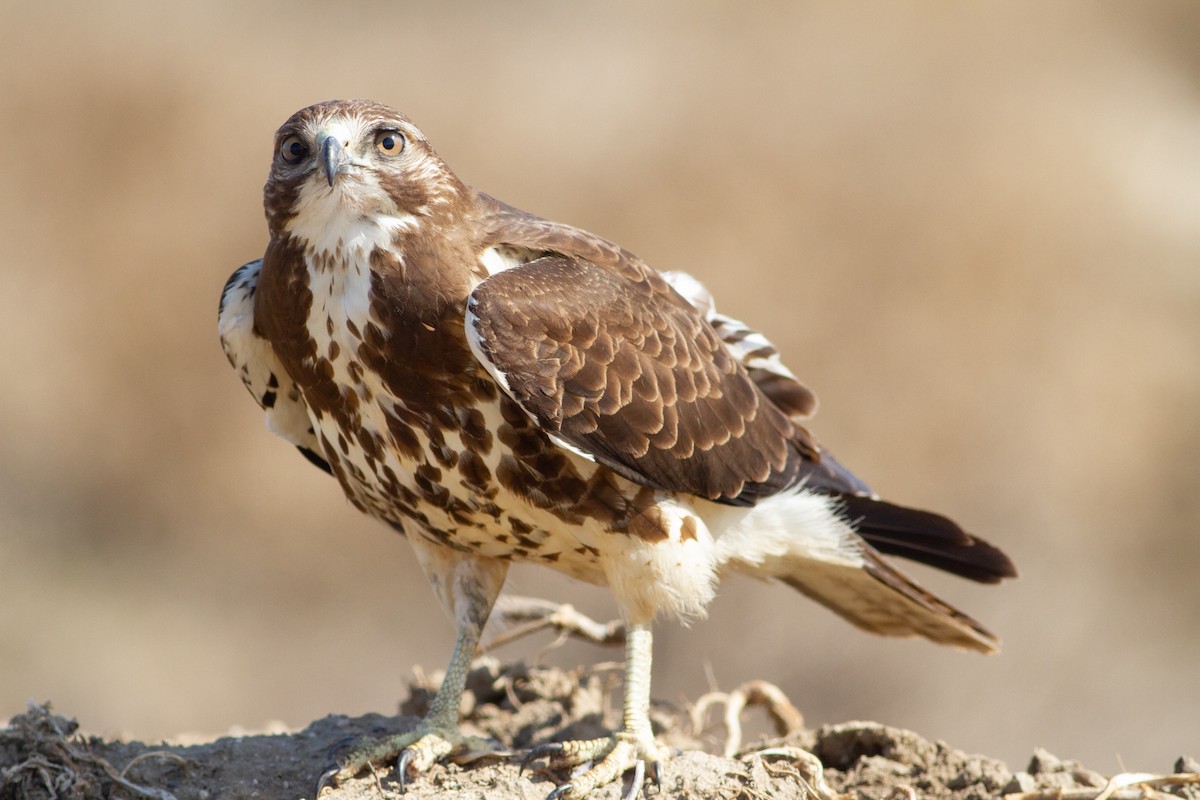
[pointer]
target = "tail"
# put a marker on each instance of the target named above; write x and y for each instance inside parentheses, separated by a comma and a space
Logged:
(926, 537)
(811, 542)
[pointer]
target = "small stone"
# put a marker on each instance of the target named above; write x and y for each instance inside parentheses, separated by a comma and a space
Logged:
(1021, 782)
(970, 775)
(1087, 777)
(1043, 761)
(885, 766)
(1187, 764)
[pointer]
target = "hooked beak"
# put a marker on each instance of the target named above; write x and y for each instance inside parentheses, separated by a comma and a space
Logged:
(332, 157)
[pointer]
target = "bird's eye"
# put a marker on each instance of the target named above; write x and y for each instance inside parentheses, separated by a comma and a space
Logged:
(292, 149)
(390, 143)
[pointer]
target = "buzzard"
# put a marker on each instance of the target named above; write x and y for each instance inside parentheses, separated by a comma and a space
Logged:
(498, 387)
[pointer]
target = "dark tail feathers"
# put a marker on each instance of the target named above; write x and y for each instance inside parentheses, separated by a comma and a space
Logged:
(926, 537)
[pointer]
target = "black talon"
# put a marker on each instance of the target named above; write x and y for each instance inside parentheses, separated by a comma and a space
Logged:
(325, 781)
(559, 792)
(552, 749)
(402, 767)
(656, 773)
(639, 775)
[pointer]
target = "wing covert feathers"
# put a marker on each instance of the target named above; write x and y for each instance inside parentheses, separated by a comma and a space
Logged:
(677, 344)
(616, 364)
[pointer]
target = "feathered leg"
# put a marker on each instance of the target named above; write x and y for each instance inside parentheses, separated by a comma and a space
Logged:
(467, 587)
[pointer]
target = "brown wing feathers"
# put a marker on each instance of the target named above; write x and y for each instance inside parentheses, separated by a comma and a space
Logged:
(625, 370)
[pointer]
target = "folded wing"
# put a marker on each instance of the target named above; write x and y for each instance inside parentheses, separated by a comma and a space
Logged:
(616, 365)
(259, 368)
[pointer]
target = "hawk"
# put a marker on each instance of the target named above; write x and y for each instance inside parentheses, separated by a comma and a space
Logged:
(498, 387)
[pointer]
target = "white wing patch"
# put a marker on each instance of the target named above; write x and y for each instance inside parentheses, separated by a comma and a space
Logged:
(256, 363)
(500, 257)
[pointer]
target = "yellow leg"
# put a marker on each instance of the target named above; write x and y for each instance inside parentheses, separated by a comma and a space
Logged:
(632, 748)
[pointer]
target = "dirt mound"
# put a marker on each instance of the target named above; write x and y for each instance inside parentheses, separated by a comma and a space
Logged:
(42, 755)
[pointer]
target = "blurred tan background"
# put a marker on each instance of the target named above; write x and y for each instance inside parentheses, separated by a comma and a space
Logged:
(974, 229)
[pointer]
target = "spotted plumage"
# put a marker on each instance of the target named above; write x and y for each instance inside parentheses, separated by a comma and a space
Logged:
(499, 387)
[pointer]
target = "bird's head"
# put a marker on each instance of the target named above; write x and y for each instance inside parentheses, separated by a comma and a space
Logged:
(344, 163)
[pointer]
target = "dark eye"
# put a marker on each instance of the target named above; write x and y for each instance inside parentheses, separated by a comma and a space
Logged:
(390, 143)
(292, 149)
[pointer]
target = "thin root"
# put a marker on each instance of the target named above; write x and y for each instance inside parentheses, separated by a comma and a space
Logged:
(805, 768)
(788, 719)
(1125, 786)
(60, 756)
(522, 616)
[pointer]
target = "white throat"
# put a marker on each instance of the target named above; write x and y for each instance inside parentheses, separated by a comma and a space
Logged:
(332, 219)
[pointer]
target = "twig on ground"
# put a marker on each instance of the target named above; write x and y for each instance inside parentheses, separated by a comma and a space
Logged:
(805, 768)
(1125, 786)
(61, 755)
(522, 616)
(788, 719)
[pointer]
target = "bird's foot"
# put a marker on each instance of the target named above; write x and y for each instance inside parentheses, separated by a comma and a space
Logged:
(610, 757)
(415, 752)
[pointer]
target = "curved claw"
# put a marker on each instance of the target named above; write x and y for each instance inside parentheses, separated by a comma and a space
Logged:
(406, 756)
(559, 792)
(639, 775)
(541, 751)
(325, 781)
(656, 773)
